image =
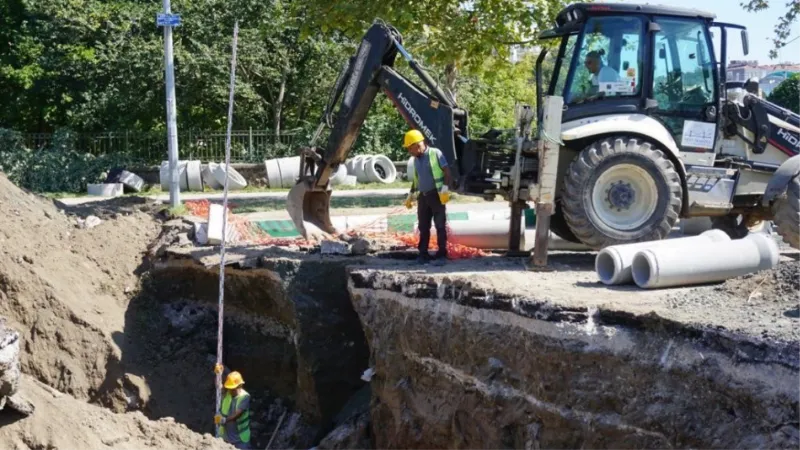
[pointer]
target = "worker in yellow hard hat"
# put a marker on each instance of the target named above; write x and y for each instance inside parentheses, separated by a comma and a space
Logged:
(432, 180)
(233, 418)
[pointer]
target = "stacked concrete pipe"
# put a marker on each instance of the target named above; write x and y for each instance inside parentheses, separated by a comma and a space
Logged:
(192, 174)
(282, 172)
(483, 230)
(706, 262)
(372, 169)
(613, 264)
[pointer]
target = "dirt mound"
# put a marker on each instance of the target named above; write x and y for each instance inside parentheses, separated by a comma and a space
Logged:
(112, 208)
(779, 285)
(66, 289)
(61, 422)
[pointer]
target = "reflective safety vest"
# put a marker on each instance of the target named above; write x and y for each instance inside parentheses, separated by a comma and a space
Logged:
(436, 170)
(242, 422)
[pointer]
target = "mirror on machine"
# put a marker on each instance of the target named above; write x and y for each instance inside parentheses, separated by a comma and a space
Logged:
(745, 43)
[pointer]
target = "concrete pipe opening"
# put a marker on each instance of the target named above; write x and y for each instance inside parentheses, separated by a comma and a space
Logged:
(380, 169)
(642, 268)
(608, 266)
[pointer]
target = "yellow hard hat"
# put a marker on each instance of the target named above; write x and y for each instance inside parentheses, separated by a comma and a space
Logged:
(412, 137)
(234, 380)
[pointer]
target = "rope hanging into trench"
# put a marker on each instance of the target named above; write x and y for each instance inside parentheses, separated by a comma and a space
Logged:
(221, 303)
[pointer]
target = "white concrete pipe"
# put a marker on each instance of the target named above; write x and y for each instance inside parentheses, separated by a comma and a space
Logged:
(613, 264)
(282, 172)
(208, 176)
(706, 262)
(194, 175)
(483, 234)
(105, 189)
(359, 168)
(235, 180)
(380, 169)
(163, 175)
(353, 164)
(339, 176)
(692, 226)
(348, 164)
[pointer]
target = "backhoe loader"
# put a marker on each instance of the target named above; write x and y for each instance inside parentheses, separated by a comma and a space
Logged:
(649, 131)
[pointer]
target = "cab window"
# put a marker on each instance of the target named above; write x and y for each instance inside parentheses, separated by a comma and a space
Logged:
(682, 71)
(608, 63)
(560, 78)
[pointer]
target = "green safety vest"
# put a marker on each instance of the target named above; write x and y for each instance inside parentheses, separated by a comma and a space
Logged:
(436, 170)
(242, 422)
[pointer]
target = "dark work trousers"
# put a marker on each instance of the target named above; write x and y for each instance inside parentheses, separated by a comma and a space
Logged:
(430, 207)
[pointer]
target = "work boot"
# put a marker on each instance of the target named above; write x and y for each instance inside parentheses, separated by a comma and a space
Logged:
(423, 260)
(439, 262)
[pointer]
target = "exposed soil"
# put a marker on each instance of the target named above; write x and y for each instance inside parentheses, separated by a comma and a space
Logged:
(63, 422)
(94, 335)
(458, 364)
(66, 289)
(771, 312)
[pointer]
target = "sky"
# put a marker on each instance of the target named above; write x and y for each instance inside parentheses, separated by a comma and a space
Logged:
(759, 27)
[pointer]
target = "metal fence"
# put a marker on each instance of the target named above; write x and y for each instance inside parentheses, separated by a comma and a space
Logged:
(249, 145)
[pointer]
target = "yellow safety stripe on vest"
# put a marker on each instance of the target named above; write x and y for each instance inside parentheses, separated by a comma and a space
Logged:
(242, 422)
(436, 170)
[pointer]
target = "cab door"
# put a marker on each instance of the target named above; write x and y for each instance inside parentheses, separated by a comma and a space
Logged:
(684, 86)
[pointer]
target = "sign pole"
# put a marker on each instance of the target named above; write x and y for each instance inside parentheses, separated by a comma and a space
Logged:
(167, 20)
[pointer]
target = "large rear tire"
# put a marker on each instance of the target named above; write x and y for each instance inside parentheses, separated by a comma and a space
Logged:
(619, 191)
(558, 224)
(787, 214)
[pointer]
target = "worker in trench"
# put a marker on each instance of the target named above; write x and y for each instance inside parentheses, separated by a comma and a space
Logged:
(233, 418)
(432, 179)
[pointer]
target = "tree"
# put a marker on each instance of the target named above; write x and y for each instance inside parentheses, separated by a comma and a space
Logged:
(455, 36)
(490, 99)
(784, 26)
(787, 94)
(97, 65)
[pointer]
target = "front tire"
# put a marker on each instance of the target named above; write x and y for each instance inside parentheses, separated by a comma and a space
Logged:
(619, 191)
(787, 214)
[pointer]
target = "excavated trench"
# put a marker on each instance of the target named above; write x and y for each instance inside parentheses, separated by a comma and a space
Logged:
(451, 364)
(289, 328)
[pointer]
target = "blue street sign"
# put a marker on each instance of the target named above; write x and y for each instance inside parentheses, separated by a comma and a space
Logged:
(168, 20)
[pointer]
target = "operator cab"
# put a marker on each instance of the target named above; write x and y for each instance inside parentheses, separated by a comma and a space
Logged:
(639, 59)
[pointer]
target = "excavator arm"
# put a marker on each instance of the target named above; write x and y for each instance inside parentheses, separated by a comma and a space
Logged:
(431, 110)
(770, 126)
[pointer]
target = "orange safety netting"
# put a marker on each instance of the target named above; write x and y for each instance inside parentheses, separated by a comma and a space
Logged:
(244, 231)
(248, 232)
(454, 251)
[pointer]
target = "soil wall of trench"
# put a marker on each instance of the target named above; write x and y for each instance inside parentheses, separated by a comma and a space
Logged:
(289, 328)
(457, 367)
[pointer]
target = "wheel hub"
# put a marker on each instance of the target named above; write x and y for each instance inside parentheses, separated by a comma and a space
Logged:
(624, 197)
(620, 195)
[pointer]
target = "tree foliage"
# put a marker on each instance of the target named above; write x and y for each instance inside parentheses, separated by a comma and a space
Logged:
(783, 28)
(98, 65)
(787, 94)
(457, 36)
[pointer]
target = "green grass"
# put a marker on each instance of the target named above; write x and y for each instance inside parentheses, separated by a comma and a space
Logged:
(156, 190)
(266, 205)
(357, 187)
(177, 211)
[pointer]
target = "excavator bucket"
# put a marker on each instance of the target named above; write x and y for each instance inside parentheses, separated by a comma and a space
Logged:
(309, 209)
